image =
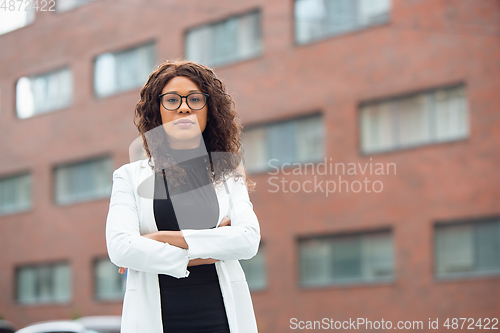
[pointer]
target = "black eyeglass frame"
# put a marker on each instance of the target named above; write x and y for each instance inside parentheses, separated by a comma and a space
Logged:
(186, 97)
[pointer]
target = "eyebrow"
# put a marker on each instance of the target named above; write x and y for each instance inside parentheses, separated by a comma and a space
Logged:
(174, 91)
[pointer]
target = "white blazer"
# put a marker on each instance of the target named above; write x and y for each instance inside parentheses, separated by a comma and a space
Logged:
(131, 215)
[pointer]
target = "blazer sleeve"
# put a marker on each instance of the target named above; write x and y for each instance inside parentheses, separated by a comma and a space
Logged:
(238, 241)
(126, 247)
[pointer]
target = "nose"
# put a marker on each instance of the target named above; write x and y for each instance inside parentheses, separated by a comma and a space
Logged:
(184, 108)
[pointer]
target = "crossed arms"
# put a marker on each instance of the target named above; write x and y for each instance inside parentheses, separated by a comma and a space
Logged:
(171, 252)
(176, 238)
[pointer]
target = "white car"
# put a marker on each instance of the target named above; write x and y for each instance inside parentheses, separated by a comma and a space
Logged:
(101, 324)
(94, 324)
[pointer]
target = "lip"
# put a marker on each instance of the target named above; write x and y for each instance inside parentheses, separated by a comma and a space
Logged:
(184, 122)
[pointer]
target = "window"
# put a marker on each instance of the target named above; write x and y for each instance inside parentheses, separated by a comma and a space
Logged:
(366, 257)
(83, 181)
(43, 93)
(15, 193)
(294, 141)
(255, 270)
(429, 117)
(15, 15)
(467, 248)
(49, 283)
(123, 71)
(227, 41)
(65, 5)
(318, 19)
(109, 284)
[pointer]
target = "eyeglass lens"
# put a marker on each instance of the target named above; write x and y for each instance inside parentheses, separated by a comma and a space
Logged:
(173, 101)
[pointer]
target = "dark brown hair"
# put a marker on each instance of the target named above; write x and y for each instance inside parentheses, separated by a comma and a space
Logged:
(222, 132)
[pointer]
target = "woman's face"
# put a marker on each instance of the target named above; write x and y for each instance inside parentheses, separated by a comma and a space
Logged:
(185, 134)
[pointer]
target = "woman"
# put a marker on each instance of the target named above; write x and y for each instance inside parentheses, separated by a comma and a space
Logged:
(180, 220)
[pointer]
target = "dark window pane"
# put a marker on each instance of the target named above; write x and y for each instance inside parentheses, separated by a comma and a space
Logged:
(347, 257)
(282, 142)
(488, 246)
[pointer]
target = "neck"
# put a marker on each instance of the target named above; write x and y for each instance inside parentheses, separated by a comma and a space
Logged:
(188, 151)
(185, 144)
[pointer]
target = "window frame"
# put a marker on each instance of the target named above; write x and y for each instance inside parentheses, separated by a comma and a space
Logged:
(356, 28)
(57, 166)
(130, 48)
(224, 20)
(328, 239)
(81, 3)
(37, 266)
(263, 248)
(49, 72)
(431, 114)
(30, 19)
(94, 278)
(292, 121)
(30, 206)
(461, 275)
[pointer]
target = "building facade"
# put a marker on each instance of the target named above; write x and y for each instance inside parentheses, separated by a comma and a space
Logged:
(371, 129)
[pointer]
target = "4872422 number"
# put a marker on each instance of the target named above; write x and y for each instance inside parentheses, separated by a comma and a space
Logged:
(26, 5)
(472, 324)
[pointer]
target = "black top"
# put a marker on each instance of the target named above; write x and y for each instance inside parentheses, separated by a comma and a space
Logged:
(195, 204)
(194, 303)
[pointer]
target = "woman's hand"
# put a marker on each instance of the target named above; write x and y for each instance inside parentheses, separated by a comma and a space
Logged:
(198, 261)
(225, 222)
(122, 270)
(195, 262)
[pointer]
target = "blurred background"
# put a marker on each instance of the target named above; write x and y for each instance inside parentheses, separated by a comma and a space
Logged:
(395, 103)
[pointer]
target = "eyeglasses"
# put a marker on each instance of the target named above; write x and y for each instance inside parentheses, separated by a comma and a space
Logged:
(172, 101)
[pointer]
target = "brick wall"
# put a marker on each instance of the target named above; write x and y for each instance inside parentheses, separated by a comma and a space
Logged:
(425, 44)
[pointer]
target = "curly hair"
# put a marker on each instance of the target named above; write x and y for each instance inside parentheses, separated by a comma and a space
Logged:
(222, 133)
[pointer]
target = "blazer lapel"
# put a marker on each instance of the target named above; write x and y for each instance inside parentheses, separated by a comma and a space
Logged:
(145, 194)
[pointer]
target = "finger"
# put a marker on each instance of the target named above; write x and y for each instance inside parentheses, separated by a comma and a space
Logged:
(225, 222)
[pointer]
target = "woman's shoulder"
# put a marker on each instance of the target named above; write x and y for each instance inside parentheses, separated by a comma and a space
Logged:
(132, 166)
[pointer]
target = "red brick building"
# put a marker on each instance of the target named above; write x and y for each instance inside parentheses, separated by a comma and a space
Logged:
(383, 114)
